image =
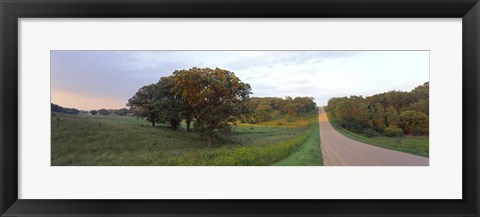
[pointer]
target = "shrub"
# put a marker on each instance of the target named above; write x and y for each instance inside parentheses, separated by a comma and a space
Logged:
(393, 132)
(369, 132)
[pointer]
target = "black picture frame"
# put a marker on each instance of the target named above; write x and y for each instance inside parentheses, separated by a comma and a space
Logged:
(12, 10)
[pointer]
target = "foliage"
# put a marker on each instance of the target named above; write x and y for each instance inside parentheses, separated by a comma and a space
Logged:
(169, 104)
(263, 111)
(57, 108)
(216, 97)
(144, 103)
(393, 131)
(377, 116)
(377, 112)
(103, 112)
(121, 112)
(369, 132)
(414, 123)
(392, 118)
(291, 107)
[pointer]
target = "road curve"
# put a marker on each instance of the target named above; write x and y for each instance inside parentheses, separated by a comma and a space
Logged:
(339, 150)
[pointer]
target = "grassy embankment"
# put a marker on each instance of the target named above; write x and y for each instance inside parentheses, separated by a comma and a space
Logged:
(417, 145)
(308, 154)
(121, 140)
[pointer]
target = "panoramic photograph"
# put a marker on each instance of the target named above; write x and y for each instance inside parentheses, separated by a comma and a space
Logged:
(239, 108)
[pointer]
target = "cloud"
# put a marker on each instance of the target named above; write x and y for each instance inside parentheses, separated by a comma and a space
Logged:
(252, 59)
(322, 74)
(106, 73)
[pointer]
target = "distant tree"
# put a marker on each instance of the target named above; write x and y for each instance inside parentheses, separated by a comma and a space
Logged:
(304, 104)
(277, 103)
(290, 108)
(216, 97)
(145, 103)
(263, 111)
(121, 112)
(57, 108)
(93, 112)
(103, 112)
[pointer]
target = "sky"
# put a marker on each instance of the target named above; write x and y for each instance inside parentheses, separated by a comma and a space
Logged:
(90, 80)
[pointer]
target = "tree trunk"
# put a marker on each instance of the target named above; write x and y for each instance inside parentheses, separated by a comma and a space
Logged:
(153, 123)
(188, 124)
(209, 140)
(174, 124)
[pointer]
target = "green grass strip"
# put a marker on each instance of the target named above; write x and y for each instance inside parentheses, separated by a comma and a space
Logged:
(308, 154)
(417, 145)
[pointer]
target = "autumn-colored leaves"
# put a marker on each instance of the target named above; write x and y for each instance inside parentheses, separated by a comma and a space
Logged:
(391, 113)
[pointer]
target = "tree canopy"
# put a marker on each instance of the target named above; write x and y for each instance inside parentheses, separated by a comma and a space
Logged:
(145, 103)
(215, 97)
(210, 98)
(291, 107)
(384, 113)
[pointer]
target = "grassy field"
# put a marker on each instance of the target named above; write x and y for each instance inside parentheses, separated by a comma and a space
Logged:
(123, 140)
(417, 145)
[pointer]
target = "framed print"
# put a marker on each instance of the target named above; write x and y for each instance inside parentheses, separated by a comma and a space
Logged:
(254, 108)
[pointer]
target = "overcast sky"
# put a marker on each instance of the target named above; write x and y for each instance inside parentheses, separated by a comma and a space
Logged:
(107, 79)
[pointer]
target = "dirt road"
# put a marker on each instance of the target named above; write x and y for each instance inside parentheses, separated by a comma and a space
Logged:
(339, 150)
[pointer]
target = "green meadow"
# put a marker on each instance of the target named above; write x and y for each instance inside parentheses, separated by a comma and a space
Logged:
(103, 140)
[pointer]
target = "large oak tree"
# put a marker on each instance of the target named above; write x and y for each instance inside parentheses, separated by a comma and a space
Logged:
(216, 98)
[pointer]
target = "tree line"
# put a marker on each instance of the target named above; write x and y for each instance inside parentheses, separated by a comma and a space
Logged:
(291, 107)
(119, 112)
(208, 100)
(392, 113)
(57, 108)
(74, 111)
